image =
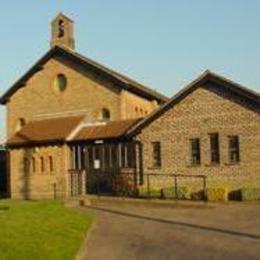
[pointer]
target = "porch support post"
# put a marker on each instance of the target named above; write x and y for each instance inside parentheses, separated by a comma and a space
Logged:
(84, 182)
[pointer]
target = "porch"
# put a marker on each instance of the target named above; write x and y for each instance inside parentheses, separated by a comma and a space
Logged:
(111, 167)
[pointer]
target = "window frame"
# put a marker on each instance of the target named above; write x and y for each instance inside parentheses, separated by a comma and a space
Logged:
(156, 154)
(195, 153)
(51, 163)
(214, 148)
(60, 83)
(105, 114)
(42, 164)
(33, 164)
(235, 149)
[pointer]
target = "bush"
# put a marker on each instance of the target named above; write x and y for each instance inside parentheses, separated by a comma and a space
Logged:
(169, 192)
(217, 194)
(250, 194)
(182, 192)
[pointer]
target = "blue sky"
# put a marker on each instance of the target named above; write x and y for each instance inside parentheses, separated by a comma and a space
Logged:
(163, 44)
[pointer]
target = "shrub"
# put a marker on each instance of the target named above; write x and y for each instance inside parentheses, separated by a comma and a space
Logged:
(154, 193)
(182, 192)
(169, 192)
(250, 194)
(217, 194)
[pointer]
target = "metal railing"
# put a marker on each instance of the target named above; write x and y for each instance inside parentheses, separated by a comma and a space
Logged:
(174, 183)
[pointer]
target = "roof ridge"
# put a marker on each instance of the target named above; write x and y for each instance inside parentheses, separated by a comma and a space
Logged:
(203, 76)
(120, 75)
(127, 83)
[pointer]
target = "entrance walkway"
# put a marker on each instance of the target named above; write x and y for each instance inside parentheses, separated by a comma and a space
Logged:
(182, 232)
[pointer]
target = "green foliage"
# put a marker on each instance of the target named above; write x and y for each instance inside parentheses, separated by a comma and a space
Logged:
(41, 230)
(250, 194)
(182, 192)
(124, 186)
(168, 192)
(217, 193)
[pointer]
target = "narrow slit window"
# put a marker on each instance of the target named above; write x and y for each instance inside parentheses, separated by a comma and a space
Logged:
(156, 150)
(214, 148)
(26, 164)
(42, 164)
(195, 151)
(234, 149)
(105, 114)
(33, 164)
(51, 163)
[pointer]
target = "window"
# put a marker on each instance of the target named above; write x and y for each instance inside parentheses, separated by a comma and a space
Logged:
(233, 147)
(105, 114)
(33, 164)
(26, 164)
(214, 148)
(195, 150)
(20, 124)
(136, 111)
(51, 163)
(42, 164)
(61, 29)
(77, 157)
(127, 155)
(156, 150)
(60, 82)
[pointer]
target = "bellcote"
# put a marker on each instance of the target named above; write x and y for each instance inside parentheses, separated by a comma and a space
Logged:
(62, 32)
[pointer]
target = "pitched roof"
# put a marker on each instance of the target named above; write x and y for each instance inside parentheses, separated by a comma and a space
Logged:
(121, 80)
(208, 76)
(108, 130)
(45, 130)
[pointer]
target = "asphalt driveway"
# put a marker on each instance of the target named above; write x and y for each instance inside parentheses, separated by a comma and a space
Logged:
(218, 231)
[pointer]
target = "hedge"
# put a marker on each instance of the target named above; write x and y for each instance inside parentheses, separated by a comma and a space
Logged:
(250, 194)
(217, 193)
(169, 192)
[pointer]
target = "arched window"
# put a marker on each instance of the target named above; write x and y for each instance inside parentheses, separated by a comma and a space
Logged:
(61, 29)
(60, 83)
(19, 124)
(33, 164)
(105, 114)
(42, 164)
(136, 111)
(26, 164)
(51, 163)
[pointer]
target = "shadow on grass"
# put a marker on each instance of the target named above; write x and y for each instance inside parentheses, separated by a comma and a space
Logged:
(178, 223)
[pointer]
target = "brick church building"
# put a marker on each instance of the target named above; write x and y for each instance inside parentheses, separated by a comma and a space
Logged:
(75, 126)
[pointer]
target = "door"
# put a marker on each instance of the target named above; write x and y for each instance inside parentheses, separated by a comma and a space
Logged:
(101, 166)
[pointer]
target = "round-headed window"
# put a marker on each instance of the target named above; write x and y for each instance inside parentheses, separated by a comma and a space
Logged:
(105, 115)
(60, 83)
(20, 124)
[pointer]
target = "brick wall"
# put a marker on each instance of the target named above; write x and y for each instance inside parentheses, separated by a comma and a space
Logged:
(133, 106)
(85, 92)
(202, 112)
(30, 183)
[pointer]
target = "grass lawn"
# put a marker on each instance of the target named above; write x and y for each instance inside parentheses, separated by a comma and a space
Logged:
(41, 230)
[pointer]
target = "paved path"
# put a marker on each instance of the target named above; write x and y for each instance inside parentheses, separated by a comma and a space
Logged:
(141, 232)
